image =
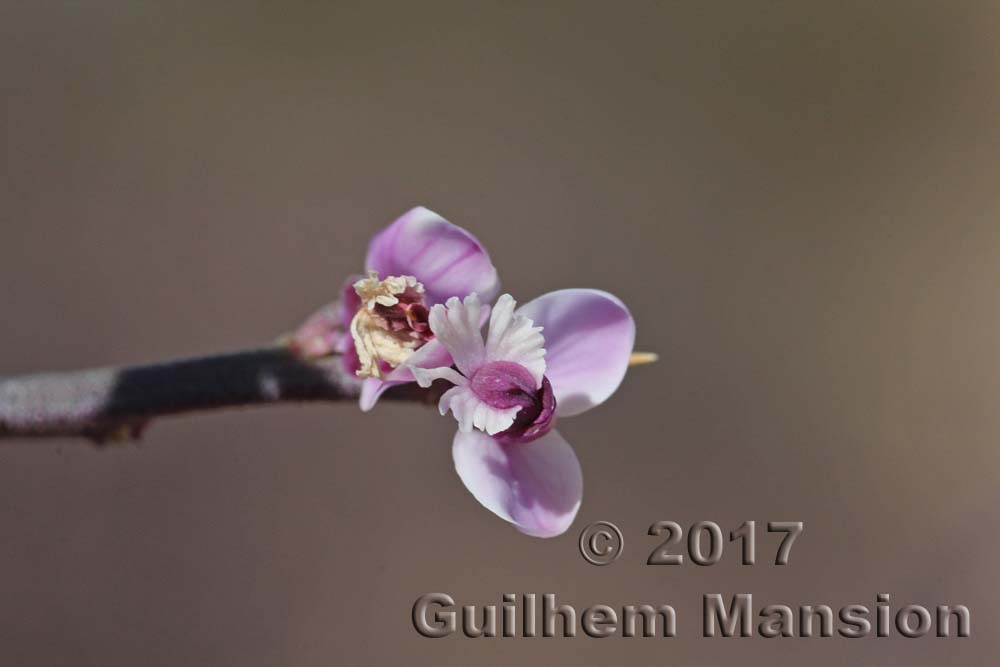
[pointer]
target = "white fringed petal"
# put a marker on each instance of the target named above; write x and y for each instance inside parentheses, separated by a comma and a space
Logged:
(457, 326)
(515, 338)
(471, 412)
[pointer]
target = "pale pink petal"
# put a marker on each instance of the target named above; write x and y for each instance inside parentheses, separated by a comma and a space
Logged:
(589, 336)
(537, 486)
(350, 302)
(431, 355)
(448, 260)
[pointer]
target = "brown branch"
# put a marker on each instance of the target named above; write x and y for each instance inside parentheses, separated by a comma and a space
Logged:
(111, 404)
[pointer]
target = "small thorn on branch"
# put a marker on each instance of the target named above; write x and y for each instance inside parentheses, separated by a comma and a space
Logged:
(642, 358)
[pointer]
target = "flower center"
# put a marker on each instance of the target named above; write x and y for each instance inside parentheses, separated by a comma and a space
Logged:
(505, 384)
(391, 323)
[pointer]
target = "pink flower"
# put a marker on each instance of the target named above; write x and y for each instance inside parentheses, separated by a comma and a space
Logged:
(510, 388)
(418, 316)
(418, 261)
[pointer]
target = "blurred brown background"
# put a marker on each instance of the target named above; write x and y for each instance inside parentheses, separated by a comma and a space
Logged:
(798, 201)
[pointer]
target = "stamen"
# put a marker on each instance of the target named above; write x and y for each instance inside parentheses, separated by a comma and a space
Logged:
(391, 323)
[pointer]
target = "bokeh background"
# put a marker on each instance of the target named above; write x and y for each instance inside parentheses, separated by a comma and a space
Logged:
(798, 201)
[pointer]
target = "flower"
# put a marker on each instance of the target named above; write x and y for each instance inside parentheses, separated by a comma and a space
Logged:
(510, 388)
(418, 316)
(418, 261)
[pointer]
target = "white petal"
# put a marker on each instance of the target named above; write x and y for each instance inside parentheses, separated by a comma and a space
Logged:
(461, 408)
(471, 412)
(446, 398)
(425, 376)
(500, 320)
(515, 338)
(457, 326)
